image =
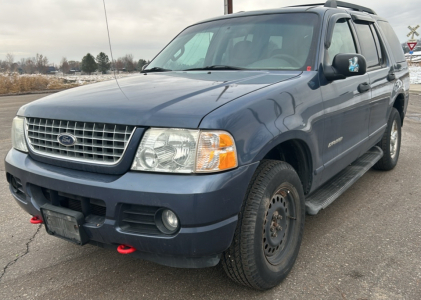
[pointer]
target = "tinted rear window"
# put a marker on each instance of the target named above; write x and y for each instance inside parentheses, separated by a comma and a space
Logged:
(392, 40)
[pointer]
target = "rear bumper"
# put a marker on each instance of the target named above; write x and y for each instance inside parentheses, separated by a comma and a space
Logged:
(206, 205)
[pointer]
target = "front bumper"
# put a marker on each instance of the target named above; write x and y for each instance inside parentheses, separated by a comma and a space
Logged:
(207, 206)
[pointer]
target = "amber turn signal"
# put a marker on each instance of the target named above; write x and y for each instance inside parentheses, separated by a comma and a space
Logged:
(216, 152)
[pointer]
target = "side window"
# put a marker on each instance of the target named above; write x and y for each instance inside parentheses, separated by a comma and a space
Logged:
(342, 40)
(368, 45)
(378, 44)
(392, 40)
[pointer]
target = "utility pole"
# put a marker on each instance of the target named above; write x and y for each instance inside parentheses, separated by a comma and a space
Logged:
(228, 7)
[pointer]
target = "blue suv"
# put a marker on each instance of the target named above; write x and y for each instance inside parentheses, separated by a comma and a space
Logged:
(216, 151)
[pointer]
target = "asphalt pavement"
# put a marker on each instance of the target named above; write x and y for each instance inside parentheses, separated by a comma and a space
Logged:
(366, 245)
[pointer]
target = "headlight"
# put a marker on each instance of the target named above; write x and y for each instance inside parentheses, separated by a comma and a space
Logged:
(18, 134)
(185, 151)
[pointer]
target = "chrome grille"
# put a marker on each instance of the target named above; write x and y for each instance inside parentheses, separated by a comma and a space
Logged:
(96, 142)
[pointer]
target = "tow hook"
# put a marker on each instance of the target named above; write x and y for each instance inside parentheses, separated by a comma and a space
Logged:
(35, 220)
(124, 249)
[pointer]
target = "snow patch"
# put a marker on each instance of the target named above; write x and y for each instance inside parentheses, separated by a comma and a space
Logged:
(86, 79)
(415, 75)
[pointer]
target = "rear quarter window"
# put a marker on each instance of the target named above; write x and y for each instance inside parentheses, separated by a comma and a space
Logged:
(392, 40)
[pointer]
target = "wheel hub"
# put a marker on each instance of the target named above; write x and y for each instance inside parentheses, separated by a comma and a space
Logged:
(276, 224)
(394, 140)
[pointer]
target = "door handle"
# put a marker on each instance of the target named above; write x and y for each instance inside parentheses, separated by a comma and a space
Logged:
(391, 77)
(364, 87)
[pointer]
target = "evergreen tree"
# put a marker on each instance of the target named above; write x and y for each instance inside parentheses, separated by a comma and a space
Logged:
(88, 64)
(103, 62)
(140, 64)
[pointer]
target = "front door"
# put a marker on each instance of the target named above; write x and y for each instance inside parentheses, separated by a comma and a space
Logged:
(346, 109)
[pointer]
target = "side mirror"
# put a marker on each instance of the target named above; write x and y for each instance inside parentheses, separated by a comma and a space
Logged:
(144, 67)
(346, 65)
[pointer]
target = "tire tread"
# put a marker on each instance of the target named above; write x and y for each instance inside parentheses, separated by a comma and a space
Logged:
(386, 163)
(237, 260)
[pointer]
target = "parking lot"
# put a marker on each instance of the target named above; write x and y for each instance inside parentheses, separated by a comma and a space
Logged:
(366, 245)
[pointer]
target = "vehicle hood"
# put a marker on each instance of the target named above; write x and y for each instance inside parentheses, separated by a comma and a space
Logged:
(170, 99)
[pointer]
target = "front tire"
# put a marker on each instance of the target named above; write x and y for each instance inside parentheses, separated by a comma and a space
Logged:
(390, 143)
(270, 228)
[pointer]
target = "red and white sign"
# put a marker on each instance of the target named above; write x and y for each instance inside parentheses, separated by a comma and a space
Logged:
(412, 45)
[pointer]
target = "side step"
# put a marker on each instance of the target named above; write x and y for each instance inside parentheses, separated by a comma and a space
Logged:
(336, 186)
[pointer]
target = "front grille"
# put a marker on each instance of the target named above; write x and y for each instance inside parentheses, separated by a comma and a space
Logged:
(96, 142)
(96, 207)
(87, 206)
(139, 219)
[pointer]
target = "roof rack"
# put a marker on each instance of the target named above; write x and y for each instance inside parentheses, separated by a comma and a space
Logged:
(335, 4)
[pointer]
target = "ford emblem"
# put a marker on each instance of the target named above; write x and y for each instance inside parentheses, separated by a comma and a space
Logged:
(67, 139)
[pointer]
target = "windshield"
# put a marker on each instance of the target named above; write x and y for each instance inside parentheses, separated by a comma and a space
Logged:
(277, 41)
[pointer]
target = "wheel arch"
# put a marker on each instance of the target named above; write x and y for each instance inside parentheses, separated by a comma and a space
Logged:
(297, 153)
(399, 104)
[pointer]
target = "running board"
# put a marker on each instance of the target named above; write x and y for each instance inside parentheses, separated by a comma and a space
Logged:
(336, 186)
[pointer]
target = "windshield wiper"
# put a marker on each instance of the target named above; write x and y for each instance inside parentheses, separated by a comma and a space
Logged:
(216, 67)
(155, 69)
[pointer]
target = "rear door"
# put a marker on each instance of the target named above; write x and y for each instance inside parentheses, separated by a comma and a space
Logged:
(398, 64)
(346, 109)
(380, 73)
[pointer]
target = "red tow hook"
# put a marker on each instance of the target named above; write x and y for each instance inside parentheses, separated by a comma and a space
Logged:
(123, 249)
(35, 220)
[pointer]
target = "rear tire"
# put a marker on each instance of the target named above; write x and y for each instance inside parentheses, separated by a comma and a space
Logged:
(390, 143)
(270, 228)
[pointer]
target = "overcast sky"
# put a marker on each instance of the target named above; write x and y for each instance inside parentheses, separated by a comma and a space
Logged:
(72, 28)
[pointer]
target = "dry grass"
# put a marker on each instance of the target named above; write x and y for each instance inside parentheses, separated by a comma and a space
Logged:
(15, 83)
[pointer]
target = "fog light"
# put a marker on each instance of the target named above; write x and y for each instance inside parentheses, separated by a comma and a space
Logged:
(170, 220)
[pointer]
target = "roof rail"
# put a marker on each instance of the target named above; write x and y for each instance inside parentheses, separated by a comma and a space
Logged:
(350, 5)
(335, 4)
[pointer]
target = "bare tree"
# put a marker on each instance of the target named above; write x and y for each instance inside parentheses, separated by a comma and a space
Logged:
(129, 63)
(119, 65)
(10, 59)
(74, 65)
(14, 67)
(41, 63)
(3, 66)
(64, 65)
(22, 65)
(29, 65)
